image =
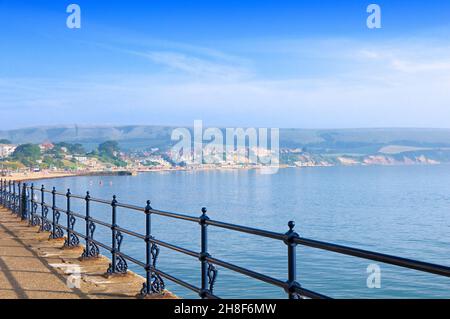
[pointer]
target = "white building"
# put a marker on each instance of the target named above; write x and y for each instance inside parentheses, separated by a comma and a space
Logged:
(6, 150)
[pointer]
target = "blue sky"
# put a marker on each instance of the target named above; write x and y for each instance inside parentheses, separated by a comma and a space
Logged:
(308, 64)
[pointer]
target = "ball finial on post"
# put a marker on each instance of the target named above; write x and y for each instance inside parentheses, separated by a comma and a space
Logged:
(291, 225)
(148, 208)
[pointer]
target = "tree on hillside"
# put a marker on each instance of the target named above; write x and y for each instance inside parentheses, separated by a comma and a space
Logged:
(27, 154)
(5, 141)
(74, 149)
(108, 152)
(109, 149)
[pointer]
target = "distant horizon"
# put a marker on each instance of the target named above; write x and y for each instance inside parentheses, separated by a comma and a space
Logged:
(219, 126)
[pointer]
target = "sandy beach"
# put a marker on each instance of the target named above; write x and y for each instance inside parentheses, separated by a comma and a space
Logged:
(29, 176)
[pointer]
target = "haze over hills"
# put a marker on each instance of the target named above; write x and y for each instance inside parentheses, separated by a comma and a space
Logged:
(323, 140)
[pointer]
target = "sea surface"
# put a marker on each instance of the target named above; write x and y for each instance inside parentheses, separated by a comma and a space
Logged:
(402, 210)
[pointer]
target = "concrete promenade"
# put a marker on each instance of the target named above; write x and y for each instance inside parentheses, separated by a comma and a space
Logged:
(34, 267)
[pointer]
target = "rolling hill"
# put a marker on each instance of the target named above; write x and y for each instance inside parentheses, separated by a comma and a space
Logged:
(352, 141)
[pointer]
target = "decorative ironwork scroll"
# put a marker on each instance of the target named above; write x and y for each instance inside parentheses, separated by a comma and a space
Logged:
(57, 231)
(46, 226)
(212, 276)
(35, 220)
(157, 285)
(121, 265)
(72, 240)
(91, 250)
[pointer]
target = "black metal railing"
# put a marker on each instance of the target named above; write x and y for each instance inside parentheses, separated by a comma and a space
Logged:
(23, 201)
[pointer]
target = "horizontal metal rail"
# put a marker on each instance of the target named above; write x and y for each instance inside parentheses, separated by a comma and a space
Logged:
(370, 255)
(247, 272)
(248, 230)
(176, 248)
(23, 200)
(131, 233)
(175, 216)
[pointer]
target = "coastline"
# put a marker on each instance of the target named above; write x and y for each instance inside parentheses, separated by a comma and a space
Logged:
(31, 176)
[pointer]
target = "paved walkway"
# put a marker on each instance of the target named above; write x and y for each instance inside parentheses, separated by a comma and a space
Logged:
(33, 267)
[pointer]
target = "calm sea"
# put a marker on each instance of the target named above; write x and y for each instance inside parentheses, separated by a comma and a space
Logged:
(396, 210)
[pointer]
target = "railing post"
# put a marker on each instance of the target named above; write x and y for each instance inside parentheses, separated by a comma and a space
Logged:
(16, 198)
(19, 199)
(208, 271)
(56, 232)
(72, 240)
(13, 201)
(33, 208)
(9, 195)
(153, 282)
(204, 253)
(91, 250)
(6, 190)
(88, 216)
(292, 283)
(2, 194)
(53, 213)
(6, 194)
(7, 185)
(114, 234)
(146, 290)
(87, 220)
(68, 216)
(31, 202)
(43, 217)
(1, 191)
(23, 199)
(118, 264)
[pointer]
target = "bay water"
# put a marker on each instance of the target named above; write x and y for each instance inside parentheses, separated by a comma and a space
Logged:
(400, 210)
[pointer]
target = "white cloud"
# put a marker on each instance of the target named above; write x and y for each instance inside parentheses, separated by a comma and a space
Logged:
(357, 84)
(195, 66)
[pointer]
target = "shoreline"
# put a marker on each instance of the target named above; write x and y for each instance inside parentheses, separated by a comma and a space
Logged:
(32, 176)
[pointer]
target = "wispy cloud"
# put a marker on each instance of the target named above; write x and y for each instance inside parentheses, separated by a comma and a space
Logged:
(195, 66)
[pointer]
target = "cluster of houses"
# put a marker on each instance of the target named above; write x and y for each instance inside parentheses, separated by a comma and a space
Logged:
(7, 150)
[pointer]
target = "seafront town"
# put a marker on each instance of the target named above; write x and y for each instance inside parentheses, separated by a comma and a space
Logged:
(50, 160)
